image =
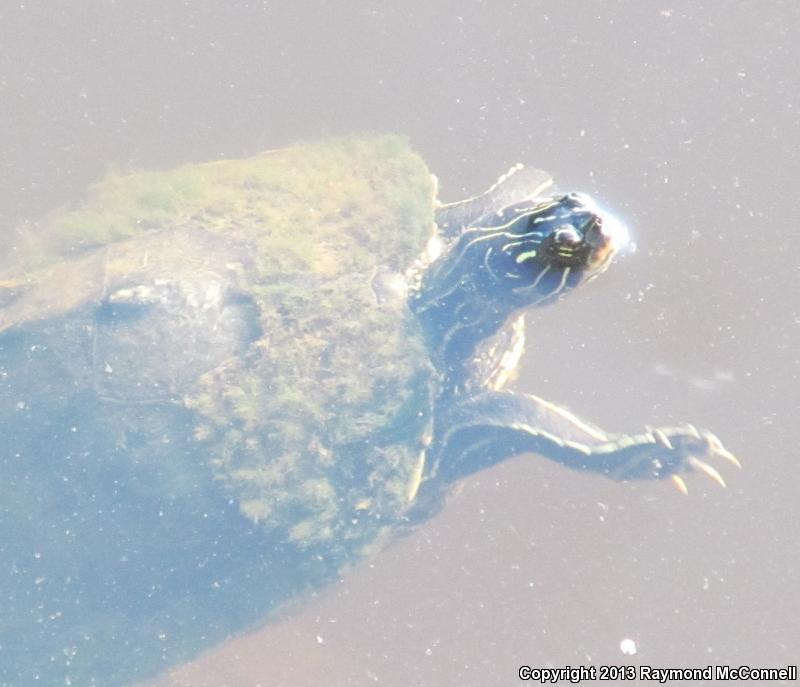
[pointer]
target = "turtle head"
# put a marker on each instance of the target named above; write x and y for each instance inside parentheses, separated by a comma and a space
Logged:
(526, 254)
(549, 247)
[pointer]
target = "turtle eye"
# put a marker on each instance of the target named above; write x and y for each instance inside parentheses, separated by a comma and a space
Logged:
(595, 236)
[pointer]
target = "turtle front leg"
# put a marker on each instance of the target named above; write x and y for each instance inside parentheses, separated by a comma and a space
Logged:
(495, 425)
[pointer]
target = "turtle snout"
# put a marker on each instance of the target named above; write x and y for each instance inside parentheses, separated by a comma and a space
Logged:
(566, 246)
(567, 236)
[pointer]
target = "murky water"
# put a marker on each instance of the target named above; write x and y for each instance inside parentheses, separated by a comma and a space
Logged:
(677, 118)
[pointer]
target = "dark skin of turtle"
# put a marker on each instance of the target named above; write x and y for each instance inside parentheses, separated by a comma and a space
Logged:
(486, 422)
(217, 389)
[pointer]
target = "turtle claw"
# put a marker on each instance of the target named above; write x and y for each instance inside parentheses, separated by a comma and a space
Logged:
(679, 483)
(702, 466)
(661, 438)
(716, 447)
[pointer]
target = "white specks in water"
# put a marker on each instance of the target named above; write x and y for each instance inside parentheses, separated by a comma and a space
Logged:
(641, 294)
(320, 640)
(628, 647)
(434, 645)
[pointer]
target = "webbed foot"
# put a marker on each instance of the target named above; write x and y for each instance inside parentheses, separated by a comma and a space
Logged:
(664, 452)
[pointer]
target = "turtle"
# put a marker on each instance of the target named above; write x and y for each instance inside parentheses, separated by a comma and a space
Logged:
(272, 364)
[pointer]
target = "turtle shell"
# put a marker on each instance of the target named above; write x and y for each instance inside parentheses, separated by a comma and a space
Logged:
(206, 407)
(318, 429)
(242, 292)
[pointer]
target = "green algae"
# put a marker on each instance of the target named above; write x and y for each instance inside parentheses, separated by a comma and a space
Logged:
(316, 429)
(291, 203)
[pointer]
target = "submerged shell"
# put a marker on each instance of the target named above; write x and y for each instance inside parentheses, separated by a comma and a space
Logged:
(311, 401)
